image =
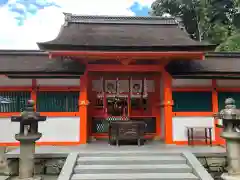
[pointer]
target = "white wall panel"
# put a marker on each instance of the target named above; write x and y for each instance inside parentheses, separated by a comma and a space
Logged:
(5, 81)
(8, 130)
(58, 82)
(180, 124)
(191, 83)
(228, 83)
(55, 129)
(60, 129)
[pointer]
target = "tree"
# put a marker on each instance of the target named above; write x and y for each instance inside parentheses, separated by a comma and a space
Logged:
(190, 11)
(232, 44)
(211, 20)
(218, 33)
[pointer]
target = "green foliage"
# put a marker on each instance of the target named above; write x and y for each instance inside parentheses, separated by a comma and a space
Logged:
(213, 20)
(192, 12)
(218, 33)
(232, 44)
(236, 20)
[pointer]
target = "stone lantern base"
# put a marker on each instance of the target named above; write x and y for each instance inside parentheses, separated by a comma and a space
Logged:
(32, 178)
(227, 176)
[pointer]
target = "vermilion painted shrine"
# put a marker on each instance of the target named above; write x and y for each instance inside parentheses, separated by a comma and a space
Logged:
(147, 67)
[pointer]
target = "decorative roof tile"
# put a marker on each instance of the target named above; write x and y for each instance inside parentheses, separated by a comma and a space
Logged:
(153, 20)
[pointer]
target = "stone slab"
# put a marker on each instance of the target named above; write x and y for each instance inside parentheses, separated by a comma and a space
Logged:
(198, 168)
(67, 170)
(131, 160)
(136, 176)
(144, 168)
(63, 151)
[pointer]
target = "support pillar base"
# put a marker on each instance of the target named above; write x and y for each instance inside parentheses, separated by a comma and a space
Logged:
(227, 176)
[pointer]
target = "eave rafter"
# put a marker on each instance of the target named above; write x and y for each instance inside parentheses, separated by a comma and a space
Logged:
(127, 58)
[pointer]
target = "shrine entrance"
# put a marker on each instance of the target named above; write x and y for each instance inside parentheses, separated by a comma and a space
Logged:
(123, 96)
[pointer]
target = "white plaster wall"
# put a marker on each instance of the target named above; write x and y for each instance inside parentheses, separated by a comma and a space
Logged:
(55, 129)
(8, 130)
(228, 83)
(191, 83)
(180, 123)
(5, 81)
(58, 82)
(60, 129)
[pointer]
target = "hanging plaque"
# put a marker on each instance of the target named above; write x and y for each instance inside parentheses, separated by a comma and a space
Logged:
(136, 87)
(123, 86)
(111, 86)
(97, 85)
(150, 86)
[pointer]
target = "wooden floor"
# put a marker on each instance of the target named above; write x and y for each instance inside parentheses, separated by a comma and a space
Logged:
(100, 146)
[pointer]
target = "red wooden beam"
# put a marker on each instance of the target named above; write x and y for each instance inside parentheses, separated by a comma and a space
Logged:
(124, 68)
(130, 54)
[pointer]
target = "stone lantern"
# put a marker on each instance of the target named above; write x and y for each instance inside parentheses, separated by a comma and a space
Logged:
(27, 136)
(230, 117)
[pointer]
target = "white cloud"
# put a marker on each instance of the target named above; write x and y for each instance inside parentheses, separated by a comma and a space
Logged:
(20, 6)
(146, 2)
(45, 25)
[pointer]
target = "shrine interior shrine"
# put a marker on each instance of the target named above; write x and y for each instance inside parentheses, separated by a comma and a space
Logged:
(103, 68)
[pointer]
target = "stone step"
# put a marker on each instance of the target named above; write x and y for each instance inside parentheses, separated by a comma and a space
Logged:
(136, 176)
(149, 168)
(131, 160)
(126, 153)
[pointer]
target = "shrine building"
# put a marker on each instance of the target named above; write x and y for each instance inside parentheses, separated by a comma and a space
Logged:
(102, 68)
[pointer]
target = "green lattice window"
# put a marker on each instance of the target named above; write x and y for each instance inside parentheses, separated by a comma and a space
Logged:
(192, 101)
(57, 101)
(13, 101)
(224, 95)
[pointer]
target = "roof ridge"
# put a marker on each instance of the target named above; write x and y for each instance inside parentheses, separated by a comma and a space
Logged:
(155, 20)
(22, 52)
(223, 54)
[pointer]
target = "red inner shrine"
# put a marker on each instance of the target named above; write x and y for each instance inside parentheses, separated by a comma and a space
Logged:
(120, 61)
(123, 96)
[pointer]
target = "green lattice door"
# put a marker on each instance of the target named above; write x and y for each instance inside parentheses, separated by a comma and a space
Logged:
(57, 101)
(13, 101)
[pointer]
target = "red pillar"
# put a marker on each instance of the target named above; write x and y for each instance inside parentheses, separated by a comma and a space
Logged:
(167, 103)
(217, 130)
(83, 108)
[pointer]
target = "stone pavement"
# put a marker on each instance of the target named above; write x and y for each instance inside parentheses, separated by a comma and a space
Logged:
(63, 151)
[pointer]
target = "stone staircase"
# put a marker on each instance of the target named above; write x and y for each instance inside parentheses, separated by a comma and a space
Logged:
(146, 165)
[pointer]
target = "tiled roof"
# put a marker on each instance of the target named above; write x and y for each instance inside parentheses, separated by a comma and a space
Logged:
(214, 63)
(12, 62)
(21, 52)
(120, 33)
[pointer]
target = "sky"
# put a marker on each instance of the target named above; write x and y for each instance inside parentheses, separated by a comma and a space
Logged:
(25, 22)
